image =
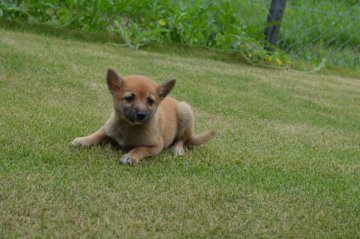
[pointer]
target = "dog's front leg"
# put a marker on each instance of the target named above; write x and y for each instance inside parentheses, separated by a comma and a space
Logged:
(91, 139)
(136, 154)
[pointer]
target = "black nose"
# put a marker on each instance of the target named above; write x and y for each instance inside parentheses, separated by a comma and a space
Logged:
(140, 115)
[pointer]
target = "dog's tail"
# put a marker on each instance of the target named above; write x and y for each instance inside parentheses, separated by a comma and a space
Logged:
(201, 138)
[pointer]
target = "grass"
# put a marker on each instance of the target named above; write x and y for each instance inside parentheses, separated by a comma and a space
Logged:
(285, 162)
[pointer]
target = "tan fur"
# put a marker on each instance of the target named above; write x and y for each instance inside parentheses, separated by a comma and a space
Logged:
(169, 122)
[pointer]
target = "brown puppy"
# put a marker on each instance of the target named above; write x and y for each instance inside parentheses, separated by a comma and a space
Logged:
(145, 120)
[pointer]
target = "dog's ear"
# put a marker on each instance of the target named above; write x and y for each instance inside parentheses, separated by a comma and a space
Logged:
(114, 81)
(165, 88)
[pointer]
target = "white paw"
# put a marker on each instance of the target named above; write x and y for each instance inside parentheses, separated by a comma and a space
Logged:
(179, 151)
(79, 142)
(126, 159)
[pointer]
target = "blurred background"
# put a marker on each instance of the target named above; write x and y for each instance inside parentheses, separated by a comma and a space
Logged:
(312, 33)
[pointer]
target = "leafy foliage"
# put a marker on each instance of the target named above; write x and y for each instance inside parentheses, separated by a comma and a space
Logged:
(227, 25)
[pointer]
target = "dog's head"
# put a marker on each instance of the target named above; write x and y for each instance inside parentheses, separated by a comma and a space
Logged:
(136, 98)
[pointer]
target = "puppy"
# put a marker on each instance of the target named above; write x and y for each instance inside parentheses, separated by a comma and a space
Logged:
(145, 120)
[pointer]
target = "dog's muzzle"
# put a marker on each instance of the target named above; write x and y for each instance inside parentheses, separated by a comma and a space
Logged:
(137, 116)
(141, 115)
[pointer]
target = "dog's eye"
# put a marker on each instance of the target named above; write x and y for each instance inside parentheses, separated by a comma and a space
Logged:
(150, 101)
(129, 98)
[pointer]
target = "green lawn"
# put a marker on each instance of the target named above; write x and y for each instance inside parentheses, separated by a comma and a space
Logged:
(285, 162)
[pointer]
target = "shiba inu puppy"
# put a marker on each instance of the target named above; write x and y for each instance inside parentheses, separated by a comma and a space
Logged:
(145, 120)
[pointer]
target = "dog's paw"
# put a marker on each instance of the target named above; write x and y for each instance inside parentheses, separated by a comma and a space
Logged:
(80, 142)
(126, 159)
(179, 151)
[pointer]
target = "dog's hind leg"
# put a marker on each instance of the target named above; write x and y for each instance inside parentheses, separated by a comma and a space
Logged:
(179, 148)
(91, 139)
(185, 124)
(185, 135)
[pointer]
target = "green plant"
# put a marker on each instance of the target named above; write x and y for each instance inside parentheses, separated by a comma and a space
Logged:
(310, 31)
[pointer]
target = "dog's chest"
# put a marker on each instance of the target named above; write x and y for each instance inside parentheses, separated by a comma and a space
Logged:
(129, 136)
(117, 134)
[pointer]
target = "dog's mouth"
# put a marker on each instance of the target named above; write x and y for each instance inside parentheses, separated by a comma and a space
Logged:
(137, 121)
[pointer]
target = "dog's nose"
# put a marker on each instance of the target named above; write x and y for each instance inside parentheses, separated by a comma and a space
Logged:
(141, 115)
